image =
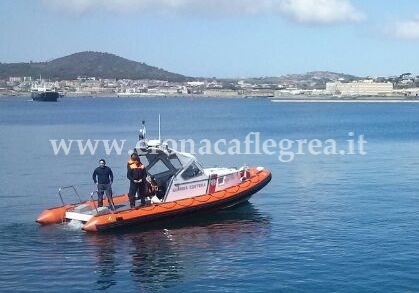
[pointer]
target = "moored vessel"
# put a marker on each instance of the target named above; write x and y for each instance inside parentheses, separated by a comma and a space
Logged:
(44, 94)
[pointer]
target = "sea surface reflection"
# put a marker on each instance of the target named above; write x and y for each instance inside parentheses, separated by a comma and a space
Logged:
(164, 254)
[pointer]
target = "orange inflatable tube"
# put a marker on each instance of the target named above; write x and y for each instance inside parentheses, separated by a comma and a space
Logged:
(229, 196)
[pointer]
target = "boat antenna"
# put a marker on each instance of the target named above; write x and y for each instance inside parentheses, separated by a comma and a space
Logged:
(159, 128)
(142, 132)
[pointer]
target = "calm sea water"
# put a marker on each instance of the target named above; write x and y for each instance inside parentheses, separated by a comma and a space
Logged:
(324, 224)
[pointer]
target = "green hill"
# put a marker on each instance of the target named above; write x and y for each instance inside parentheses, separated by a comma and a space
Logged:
(90, 64)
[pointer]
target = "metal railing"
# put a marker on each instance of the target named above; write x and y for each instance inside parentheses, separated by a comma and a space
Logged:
(68, 187)
(93, 200)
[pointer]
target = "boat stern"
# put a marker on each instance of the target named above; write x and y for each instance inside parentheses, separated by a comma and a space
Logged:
(53, 216)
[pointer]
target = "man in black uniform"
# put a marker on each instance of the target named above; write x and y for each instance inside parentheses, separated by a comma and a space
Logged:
(137, 176)
(103, 178)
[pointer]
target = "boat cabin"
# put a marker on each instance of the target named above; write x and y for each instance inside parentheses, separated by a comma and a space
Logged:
(173, 172)
(179, 175)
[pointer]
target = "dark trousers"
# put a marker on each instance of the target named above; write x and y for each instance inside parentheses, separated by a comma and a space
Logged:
(104, 188)
(135, 188)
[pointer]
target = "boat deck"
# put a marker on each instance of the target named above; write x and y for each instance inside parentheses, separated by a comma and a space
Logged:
(85, 212)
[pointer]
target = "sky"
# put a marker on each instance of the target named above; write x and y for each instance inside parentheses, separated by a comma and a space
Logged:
(220, 38)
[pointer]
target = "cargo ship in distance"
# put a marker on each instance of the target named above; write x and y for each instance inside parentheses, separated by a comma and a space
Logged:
(43, 94)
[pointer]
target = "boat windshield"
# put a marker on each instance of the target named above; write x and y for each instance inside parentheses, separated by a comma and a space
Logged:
(144, 160)
(174, 160)
(192, 171)
(157, 168)
(161, 165)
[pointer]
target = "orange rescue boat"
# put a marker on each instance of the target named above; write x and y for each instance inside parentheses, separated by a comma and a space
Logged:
(183, 186)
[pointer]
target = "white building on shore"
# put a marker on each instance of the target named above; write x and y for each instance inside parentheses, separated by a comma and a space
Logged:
(360, 88)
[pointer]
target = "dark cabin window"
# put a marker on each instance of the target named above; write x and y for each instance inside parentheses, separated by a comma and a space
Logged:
(192, 171)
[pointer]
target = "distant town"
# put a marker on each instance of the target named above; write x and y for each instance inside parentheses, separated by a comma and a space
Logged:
(103, 74)
(317, 84)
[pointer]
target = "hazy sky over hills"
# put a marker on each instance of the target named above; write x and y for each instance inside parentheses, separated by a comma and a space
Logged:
(220, 38)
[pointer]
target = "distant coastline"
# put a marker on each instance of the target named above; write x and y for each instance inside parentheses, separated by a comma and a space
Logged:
(78, 75)
(282, 99)
(358, 100)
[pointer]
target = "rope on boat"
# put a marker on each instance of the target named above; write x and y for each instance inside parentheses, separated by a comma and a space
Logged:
(238, 188)
(219, 197)
(196, 198)
(186, 205)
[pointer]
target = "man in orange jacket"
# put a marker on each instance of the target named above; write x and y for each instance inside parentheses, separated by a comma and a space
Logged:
(136, 174)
